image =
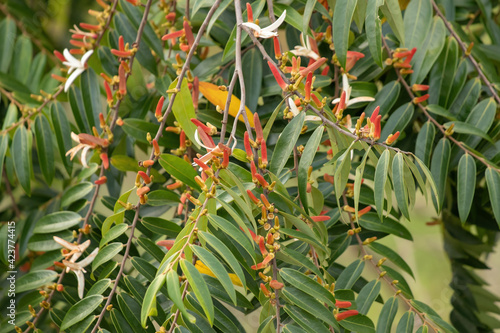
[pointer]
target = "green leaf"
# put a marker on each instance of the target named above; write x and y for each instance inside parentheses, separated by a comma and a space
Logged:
(149, 303)
(400, 189)
(200, 288)
(342, 18)
(253, 77)
(225, 253)
(442, 73)
(370, 221)
(439, 169)
(387, 315)
(139, 129)
(305, 162)
(75, 193)
(45, 242)
(217, 268)
(113, 233)
(4, 144)
(234, 232)
(8, 33)
(392, 256)
(381, 173)
(310, 304)
(126, 163)
(174, 293)
(110, 220)
(162, 198)
(81, 310)
(161, 226)
(367, 296)
(285, 144)
(426, 56)
(62, 131)
(440, 111)
(289, 255)
(350, 275)
(466, 185)
(21, 154)
(398, 121)
(183, 110)
(270, 121)
(180, 169)
(392, 13)
(91, 96)
(425, 142)
(123, 198)
(406, 323)
(402, 284)
(358, 179)
(374, 31)
(105, 254)
(464, 128)
(307, 16)
(34, 280)
(307, 285)
(466, 99)
(385, 98)
(99, 287)
(417, 20)
(23, 54)
(493, 182)
(481, 117)
(307, 321)
(57, 221)
(358, 323)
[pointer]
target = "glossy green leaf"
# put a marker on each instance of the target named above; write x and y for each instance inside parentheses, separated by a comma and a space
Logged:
(367, 296)
(81, 310)
(285, 144)
(161, 226)
(307, 285)
(387, 315)
(308, 322)
(200, 288)
(358, 179)
(57, 221)
(425, 142)
(253, 77)
(110, 220)
(217, 268)
(44, 147)
(75, 193)
(350, 275)
(4, 144)
(234, 232)
(174, 293)
(113, 233)
(385, 98)
(442, 73)
(149, 303)
(183, 110)
(466, 99)
(370, 221)
(398, 120)
(298, 259)
(466, 185)
(35, 279)
(392, 256)
(493, 182)
(374, 31)
(417, 21)
(105, 254)
(21, 154)
(8, 31)
(481, 117)
(440, 111)
(305, 161)
(392, 13)
(45, 242)
(342, 18)
(21, 62)
(405, 324)
(359, 323)
(62, 131)
(90, 92)
(99, 287)
(439, 169)
(381, 173)
(180, 169)
(400, 189)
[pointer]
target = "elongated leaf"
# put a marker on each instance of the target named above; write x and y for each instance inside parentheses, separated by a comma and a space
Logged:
(493, 182)
(425, 141)
(217, 269)
(90, 96)
(57, 221)
(405, 324)
(183, 110)
(401, 192)
(392, 13)
(200, 289)
(285, 144)
(392, 256)
(381, 173)
(105, 254)
(342, 18)
(307, 321)
(350, 275)
(398, 120)
(417, 21)
(385, 98)
(113, 233)
(358, 179)
(481, 117)
(235, 233)
(442, 73)
(62, 131)
(370, 221)
(466, 185)
(174, 293)
(161, 226)
(35, 279)
(440, 111)
(99, 287)
(4, 144)
(253, 77)
(374, 31)
(387, 315)
(81, 310)
(466, 99)
(367, 296)
(464, 128)
(180, 169)
(297, 258)
(305, 161)
(8, 31)
(23, 54)
(75, 193)
(439, 169)
(21, 152)
(44, 147)
(307, 285)
(149, 303)
(359, 323)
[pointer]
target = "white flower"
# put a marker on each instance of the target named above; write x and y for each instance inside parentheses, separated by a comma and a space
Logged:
(73, 151)
(305, 49)
(268, 31)
(210, 150)
(347, 88)
(76, 250)
(78, 269)
(76, 67)
(295, 111)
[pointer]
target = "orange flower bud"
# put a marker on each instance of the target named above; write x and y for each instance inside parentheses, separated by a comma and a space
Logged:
(419, 87)
(144, 177)
(314, 66)
(156, 148)
(392, 138)
(173, 35)
(147, 163)
(122, 86)
(59, 56)
(263, 152)
(277, 76)
(253, 197)
(249, 13)
(346, 314)
(105, 160)
(91, 27)
(159, 106)
(248, 147)
(308, 87)
(276, 285)
(277, 48)
(420, 99)
(109, 94)
(266, 292)
(189, 33)
(264, 200)
(320, 218)
(201, 125)
(258, 128)
(101, 180)
(225, 159)
(343, 304)
(143, 190)
(262, 181)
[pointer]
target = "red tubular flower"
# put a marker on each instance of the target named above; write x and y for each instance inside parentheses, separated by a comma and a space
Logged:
(174, 186)
(276, 285)
(173, 35)
(249, 13)
(270, 239)
(253, 170)
(277, 48)
(264, 200)
(225, 159)
(262, 246)
(420, 99)
(352, 59)
(58, 78)
(201, 164)
(156, 148)
(316, 101)
(374, 115)
(343, 304)
(328, 178)
(410, 56)
(325, 70)
(253, 197)
(277, 76)
(105, 160)
(143, 190)
(207, 140)
(266, 292)
(109, 94)
(248, 147)
(364, 211)
(263, 152)
(258, 127)
(123, 80)
(261, 180)
(392, 138)
(419, 87)
(314, 66)
(121, 43)
(346, 314)
(320, 218)
(77, 51)
(148, 163)
(182, 140)
(189, 33)
(199, 124)
(91, 27)
(341, 105)
(376, 132)
(167, 243)
(79, 43)
(402, 65)
(308, 87)
(144, 177)
(170, 16)
(159, 107)
(102, 122)
(101, 180)
(121, 54)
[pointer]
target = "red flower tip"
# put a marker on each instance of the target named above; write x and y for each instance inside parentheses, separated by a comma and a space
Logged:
(109, 94)
(189, 33)
(159, 107)
(249, 13)
(173, 35)
(143, 190)
(201, 164)
(199, 124)
(314, 66)
(420, 99)
(392, 138)
(105, 160)
(144, 177)
(325, 70)
(263, 152)
(352, 58)
(59, 55)
(101, 180)
(308, 87)
(377, 129)
(262, 181)
(341, 105)
(277, 76)
(276, 285)
(91, 27)
(123, 80)
(343, 304)
(253, 197)
(262, 245)
(320, 218)
(375, 114)
(277, 48)
(266, 292)
(167, 243)
(258, 127)
(248, 147)
(253, 170)
(346, 314)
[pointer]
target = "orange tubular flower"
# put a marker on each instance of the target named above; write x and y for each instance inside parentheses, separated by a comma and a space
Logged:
(374, 115)
(314, 66)
(262, 181)
(225, 159)
(156, 148)
(167, 243)
(419, 87)
(189, 34)
(320, 218)
(277, 48)
(143, 190)
(343, 304)
(276, 285)
(248, 147)
(201, 125)
(201, 164)
(420, 99)
(377, 129)
(277, 76)
(105, 160)
(59, 56)
(148, 163)
(205, 138)
(91, 27)
(170, 16)
(316, 101)
(392, 138)
(263, 152)
(144, 177)
(58, 78)
(253, 197)
(121, 52)
(341, 106)
(159, 107)
(109, 94)
(258, 128)
(173, 35)
(265, 201)
(266, 292)
(308, 87)
(352, 59)
(262, 246)
(325, 70)
(123, 80)
(249, 13)
(253, 170)
(101, 180)
(346, 314)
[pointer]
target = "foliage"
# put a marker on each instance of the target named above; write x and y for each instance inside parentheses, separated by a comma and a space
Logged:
(261, 150)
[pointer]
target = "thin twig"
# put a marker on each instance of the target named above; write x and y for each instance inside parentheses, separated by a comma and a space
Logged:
(466, 54)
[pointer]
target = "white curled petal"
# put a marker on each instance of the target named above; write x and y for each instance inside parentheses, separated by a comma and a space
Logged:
(70, 60)
(64, 243)
(266, 34)
(360, 100)
(197, 139)
(81, 282)
(75, 137)
(276, 23)
(72, 78)
(293, 108)
(312, 118)
(83, 158)
(336, 100)
(86, 57)
(85, 262)
(252, 26)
